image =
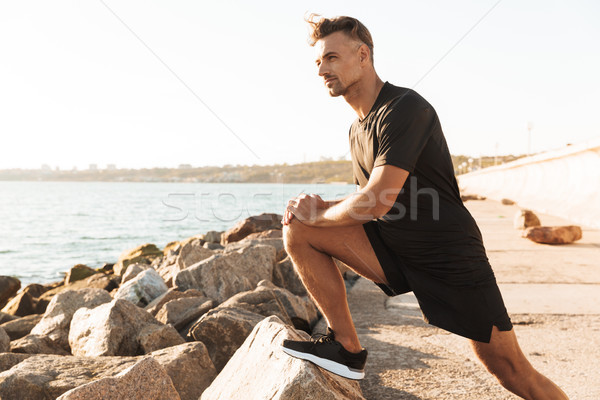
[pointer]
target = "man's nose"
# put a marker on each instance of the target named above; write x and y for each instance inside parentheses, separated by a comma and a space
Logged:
(323, 70)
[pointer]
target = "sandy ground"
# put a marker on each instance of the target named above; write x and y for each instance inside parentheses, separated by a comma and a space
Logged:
(552, 294)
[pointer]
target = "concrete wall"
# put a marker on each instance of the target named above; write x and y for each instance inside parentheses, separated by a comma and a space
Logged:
(564, 183)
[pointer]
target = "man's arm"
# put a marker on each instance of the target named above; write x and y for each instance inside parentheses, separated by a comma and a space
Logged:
(372, 201)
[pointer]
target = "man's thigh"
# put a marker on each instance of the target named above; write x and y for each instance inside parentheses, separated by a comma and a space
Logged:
(348, 244)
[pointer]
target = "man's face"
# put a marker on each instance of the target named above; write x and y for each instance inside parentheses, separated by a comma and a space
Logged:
(339, 62)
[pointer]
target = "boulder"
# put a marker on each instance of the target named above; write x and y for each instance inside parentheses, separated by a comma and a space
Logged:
(170, 246)
(223, 331)
(99, 281)
(35, 290)
(79, 272)
(191, 252)
(21, 305)
(275, 242)
(145, 253)
(279, 376)
(4, 317)
(133, 270)
(213, 246)
(36, 344)
(9, 286)
(180, 312)
(507, 202)
(256, 223)
(553, 234)
(4, 341)
(270, 234)
(212, 237)
(21, 326)
(142, 289)
(49, 376)
(55, 323)
(223, 275)
(285, 276)
(525, 219)
(146, 380)
(268, 299)
(118, 328)
(171, 294)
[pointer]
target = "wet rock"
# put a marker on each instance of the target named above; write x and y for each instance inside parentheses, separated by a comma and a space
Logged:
(132, 271)
(223, 331)
(525, 219)
(507, 202)
(553, 234)
(303, 380)
(221, 276)
(146, 380)
(180, 312)
(212, 237)
(9, 286)
(55, 323)
(49, 376)
(21, 305)
(145, 254)
(20, 327)
(117, 328)
(4, 341)
(256, 223)
(142, 289)
(79, 272)
(171, 294)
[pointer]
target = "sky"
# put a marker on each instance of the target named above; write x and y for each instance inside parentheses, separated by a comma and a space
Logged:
(143, 84)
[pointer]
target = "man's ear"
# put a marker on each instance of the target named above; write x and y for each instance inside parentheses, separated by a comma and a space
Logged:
(363, 53)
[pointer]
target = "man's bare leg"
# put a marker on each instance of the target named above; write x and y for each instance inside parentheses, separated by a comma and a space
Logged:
(311, 250)
(504, 359)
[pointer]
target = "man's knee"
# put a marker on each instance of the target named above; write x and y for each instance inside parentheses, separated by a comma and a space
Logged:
(293, 235)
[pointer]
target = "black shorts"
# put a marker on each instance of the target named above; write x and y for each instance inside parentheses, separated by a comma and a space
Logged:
(467, 308)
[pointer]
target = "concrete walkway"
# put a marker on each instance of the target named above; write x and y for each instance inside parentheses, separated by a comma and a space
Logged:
(552, 294)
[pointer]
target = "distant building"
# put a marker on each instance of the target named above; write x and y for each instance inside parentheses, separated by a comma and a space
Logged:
(185, 166)
(111, 167)
(93, 167)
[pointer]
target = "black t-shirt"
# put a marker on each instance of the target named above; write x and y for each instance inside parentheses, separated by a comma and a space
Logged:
(429, 223)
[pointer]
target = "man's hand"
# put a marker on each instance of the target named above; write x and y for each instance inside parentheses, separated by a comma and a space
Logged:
(304, 207)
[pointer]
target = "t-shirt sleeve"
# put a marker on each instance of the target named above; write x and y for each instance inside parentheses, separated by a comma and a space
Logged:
(403, 132)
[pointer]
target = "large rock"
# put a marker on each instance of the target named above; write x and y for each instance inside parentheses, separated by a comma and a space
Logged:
(4, 341)
(180, 312)
(256, 223)
(36, 344)
(79, 272)
(118, 328)
(145, 253)
(268, 299)
(47, 377)
(553, 234)
(212, 237)
(9, 286)
(55, 323)
(189, 253)
(223, 275)
(21, 305)
(20, 327)
(525, 219)
(145, 380)
(279, 376)
(133, 270)
(171, 294)
(4, 317)
(99, 281)
(223, 331)
(275, 242)
(142, 289)
(285, 276)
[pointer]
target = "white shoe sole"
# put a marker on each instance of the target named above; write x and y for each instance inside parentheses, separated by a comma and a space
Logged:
(329, 365)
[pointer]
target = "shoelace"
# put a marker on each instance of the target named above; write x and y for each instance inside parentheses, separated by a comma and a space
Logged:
(322, 338)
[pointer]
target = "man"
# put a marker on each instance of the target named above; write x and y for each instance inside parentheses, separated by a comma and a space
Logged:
(406, 228)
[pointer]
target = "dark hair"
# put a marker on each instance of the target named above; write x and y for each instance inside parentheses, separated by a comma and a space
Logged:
(321, 27)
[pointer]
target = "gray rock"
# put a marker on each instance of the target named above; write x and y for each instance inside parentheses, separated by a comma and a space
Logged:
(49, 376)
(255, 223)
(9, 286)
(21, 305)
(303, 380)
(20, 327)
(285, 276)
(221, 276)
(4, 341)
(212, 237)
(117, 328)
(180, 312)
(55, 323)
(223, 331)
(142, 289)
(171, 294)
(132, 271)
(146, 380)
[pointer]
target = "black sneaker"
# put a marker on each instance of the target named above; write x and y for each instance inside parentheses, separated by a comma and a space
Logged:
(329, 354)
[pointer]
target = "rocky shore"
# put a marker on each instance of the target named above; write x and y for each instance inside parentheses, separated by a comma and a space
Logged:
(202, 318)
